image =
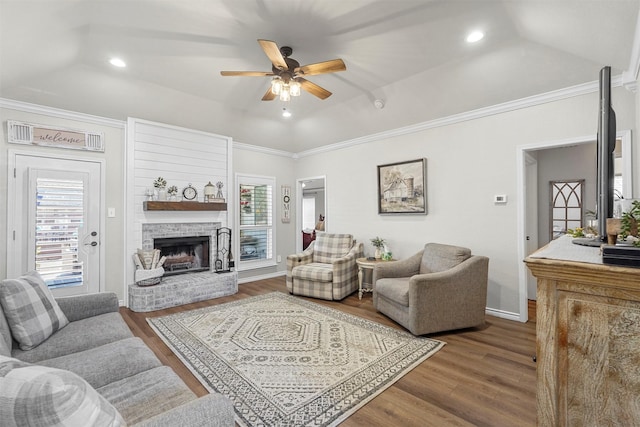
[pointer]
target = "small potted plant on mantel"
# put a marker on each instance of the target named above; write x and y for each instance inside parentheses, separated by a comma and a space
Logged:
(161, 184)
(377, 243)
(173, 193)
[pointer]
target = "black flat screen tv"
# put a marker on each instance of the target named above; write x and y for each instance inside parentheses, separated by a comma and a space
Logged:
(605, 147)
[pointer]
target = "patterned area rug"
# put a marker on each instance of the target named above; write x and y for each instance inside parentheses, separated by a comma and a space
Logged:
(285, 361)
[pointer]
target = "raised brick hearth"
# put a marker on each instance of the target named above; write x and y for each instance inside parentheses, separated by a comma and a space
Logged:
(182, 289)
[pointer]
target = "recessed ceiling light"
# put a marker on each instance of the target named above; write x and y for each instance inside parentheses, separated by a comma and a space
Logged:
(475, 36)
(286, 113)
(117, 62)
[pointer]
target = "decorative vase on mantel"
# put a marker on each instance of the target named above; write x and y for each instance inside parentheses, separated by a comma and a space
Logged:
(377, 254)
(162, 194)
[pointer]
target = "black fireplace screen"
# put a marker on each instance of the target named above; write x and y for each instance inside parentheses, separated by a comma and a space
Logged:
(224, 258)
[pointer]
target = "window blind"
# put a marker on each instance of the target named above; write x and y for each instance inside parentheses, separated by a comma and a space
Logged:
(256, 222)
(59, 219)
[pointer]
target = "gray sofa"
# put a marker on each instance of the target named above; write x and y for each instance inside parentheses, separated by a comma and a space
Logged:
(98, 346)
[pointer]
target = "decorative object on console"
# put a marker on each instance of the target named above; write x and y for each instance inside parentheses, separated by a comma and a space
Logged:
(629, 223)
(189, 192)
(402, 187)
(377, 243)
(148, 264)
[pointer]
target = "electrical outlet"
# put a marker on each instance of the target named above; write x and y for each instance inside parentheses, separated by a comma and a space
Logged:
(111, 212)
(279, 258)
(500, 198)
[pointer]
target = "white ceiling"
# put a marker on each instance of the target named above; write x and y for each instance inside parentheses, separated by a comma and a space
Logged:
(409, 53)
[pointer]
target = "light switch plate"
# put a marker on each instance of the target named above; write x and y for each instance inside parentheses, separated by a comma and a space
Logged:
(500, 199)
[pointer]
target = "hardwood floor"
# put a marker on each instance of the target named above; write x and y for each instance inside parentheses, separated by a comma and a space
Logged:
(483, 376)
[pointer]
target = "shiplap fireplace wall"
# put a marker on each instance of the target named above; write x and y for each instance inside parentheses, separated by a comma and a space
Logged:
(182, 157)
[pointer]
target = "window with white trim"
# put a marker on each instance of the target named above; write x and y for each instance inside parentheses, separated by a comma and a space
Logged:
(255, 215)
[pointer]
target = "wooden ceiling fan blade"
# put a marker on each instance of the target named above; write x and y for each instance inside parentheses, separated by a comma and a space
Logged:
(269, 96)
(247, 73)
(272, 51)
(313, 88)
(332, 66)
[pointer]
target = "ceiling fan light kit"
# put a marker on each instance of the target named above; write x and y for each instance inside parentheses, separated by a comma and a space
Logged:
(288, 75)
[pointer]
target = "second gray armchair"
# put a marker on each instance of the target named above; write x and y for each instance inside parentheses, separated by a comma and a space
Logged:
(440, 288)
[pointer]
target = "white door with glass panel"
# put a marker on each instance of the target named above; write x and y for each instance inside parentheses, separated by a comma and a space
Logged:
(57, 222)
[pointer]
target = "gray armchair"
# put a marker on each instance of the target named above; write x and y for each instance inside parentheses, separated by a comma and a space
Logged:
(440, 288)
(327, 269)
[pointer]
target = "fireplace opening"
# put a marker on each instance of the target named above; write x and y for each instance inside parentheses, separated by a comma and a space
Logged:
(184, 254)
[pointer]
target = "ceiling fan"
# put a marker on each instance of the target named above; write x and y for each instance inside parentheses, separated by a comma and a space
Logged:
(288, 75)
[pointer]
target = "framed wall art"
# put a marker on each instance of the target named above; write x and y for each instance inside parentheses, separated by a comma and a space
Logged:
(402, 187)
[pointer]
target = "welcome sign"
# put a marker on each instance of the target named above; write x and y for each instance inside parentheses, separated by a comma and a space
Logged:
(33, 134)
(59, 138)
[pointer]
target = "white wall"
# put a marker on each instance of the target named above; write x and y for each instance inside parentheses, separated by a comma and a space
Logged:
(467, 164)
(114, 160)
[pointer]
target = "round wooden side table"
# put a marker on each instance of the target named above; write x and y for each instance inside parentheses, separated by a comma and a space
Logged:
(369, 264)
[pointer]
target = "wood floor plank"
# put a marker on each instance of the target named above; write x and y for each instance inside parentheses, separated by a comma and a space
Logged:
(483, 376)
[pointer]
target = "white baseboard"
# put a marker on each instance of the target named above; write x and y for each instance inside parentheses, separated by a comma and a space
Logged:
(261, 277)
(503, 314)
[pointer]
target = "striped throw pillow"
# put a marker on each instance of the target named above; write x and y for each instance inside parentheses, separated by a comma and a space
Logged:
(33, 395)
(32, 312)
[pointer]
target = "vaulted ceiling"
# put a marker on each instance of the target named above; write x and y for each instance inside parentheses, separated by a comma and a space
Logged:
(411, 54)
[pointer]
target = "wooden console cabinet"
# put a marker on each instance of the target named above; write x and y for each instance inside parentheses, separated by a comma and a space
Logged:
(588, 343)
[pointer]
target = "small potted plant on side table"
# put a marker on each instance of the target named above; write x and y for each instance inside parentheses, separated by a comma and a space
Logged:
(377, 243)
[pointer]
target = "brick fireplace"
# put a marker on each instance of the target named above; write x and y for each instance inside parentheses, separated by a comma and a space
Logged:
(189, 276)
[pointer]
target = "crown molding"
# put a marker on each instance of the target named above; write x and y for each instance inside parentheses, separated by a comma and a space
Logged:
(60, 113)
(505, 107)
(263, 150)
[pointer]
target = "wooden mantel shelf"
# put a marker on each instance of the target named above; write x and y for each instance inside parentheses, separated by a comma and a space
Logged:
(183, 206)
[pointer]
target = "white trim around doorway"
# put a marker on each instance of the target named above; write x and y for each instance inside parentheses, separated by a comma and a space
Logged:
(521, 159)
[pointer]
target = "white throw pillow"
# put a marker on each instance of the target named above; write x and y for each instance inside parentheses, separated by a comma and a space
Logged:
(32, 312)
(33, 395)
